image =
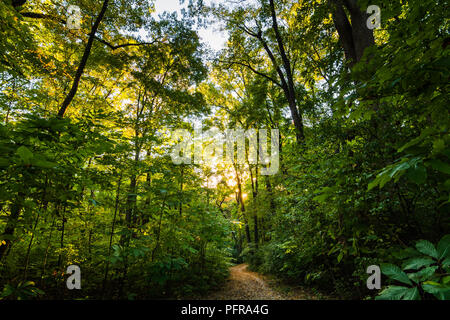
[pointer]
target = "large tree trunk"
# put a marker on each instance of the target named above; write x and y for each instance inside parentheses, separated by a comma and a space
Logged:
(354, 35)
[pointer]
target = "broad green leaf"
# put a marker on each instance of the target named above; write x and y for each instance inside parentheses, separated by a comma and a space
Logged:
(393, 293)
(443, 247)
(417, 263)
(412, 294)
(25, 154)
(440, 291)
(423, 275)
(426, 247)
(400, 167)
(394, 272)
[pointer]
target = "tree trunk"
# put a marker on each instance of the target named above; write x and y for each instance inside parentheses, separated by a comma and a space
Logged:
(16, 208)
(287, 79)
(62, 237)
(181, 190)
(27, 258)
(354, 37)
(240, 200)
(158, 233)
(116, 209)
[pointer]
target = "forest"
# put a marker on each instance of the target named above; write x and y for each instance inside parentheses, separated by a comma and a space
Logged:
(340, 158)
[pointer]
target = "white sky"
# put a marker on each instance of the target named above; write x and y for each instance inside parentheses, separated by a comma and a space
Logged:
(211, 36)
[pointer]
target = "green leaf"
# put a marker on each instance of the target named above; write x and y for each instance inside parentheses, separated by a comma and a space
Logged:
(27, 284)
(372, 185)
(443, 247)
(446, 263)
(438, 145)
(400, 167)
(39, 291)
(321, 198)
(25, 154)
(381, 179)
(423, 275)
(412, 294)
(440, 291)
(44, 164)
(417, 174)
(7, 291)
(426, 247)
(411, 143)
(440, 166)
(393, 293)
(417, 263)
(394, 272)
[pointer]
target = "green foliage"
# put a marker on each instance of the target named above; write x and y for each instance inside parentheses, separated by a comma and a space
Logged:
(372, 173)
(23, 291)
(97, 188)
(425, 274)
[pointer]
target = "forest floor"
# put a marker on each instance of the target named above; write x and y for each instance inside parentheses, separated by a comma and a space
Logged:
(246, 285)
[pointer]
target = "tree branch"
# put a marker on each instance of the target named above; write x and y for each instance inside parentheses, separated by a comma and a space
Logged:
(285, 59)
(230, 63)
(115, 47)
(83, 61)
(36, 15)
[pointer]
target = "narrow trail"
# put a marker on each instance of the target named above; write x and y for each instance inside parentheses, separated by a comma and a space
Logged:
(247, 285)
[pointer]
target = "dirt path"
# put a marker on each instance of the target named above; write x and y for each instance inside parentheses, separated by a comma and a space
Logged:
(247, 285)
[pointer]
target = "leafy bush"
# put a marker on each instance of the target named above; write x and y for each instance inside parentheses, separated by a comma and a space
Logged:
(23, 291)
(426, 272)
